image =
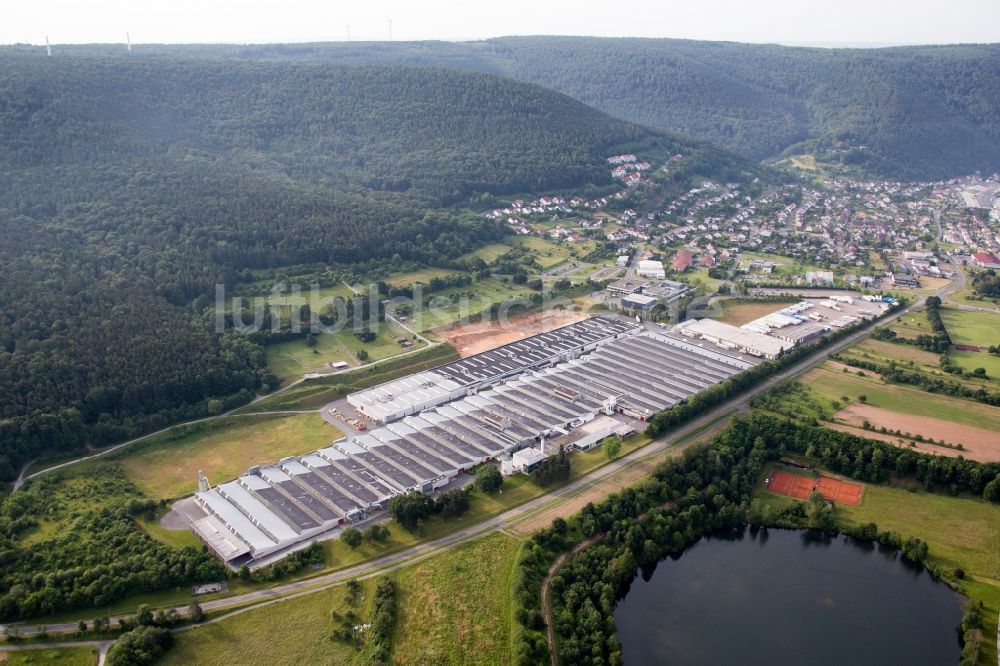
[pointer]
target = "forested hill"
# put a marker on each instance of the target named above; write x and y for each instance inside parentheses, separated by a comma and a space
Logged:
(443, 134)
(129, 188)
(908, 112)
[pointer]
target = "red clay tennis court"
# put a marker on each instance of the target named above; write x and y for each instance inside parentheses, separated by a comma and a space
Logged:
(800, 487)
(839, 491)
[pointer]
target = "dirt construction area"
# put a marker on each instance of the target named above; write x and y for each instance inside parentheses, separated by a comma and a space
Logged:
(977, 443)
(469, 339)
(800, 487)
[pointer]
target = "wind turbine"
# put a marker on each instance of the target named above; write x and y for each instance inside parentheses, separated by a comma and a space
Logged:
(128, 42)
(48, 48)
(390, 29)
(348, 32)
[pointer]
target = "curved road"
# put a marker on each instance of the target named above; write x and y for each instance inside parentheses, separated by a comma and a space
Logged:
(500, 522)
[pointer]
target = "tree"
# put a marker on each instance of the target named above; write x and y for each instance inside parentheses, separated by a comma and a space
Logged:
(144, 615)
(351, 536)
(991, 492)
(140, 646)
(488, 478)
(612, 447)
(195, 612)
(863, 398)
(453, 503)
(376, 533)
(411, 508)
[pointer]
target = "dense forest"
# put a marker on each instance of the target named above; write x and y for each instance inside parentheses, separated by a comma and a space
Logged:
(130, 188)
(907, 112)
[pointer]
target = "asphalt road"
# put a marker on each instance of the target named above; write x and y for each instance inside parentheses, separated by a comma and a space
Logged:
(427, 549)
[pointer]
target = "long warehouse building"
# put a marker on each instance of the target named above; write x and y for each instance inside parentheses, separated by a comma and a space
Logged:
(576, 402)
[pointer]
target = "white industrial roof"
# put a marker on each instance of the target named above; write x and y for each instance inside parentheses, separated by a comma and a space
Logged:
(215, 533)
(275, 474)
(232, 517)
(404, 394)
(528, 456)
(764, 344)
(254, 482)
(265, 518)
(640, 298)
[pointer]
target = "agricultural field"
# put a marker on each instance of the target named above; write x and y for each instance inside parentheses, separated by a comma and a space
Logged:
(928, 422)
(738, 312)
(73, 656)
(972, 328)
(292, 359)
(166, 466)
(831, 385)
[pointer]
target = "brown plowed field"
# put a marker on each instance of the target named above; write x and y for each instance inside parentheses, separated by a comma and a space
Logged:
(469, 339)
(978, 443)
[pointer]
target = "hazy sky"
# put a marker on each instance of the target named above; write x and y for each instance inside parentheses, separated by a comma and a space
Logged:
(787, 21)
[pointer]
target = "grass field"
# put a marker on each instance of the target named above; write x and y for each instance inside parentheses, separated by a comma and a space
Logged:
(699, 275)
(960, 533)
(786, 266)
(423, 275)
(550, 253)
(166, 466)
(881, 351)
(173, 538)
(738, 312)
(451, 305)
(314, 393)
(488, 253)
(972, 328)
(456, 608)
(912, 324)
(76, 656)
(288, 633)
(969, 361)
(292, 359)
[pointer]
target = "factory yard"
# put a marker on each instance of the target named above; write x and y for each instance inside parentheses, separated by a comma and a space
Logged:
(469, 339)
(568, 386)
(571, 388)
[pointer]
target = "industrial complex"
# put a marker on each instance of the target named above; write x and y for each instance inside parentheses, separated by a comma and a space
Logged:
(571, 387)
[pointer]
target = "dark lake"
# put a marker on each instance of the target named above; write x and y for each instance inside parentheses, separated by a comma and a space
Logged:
(787, 597)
